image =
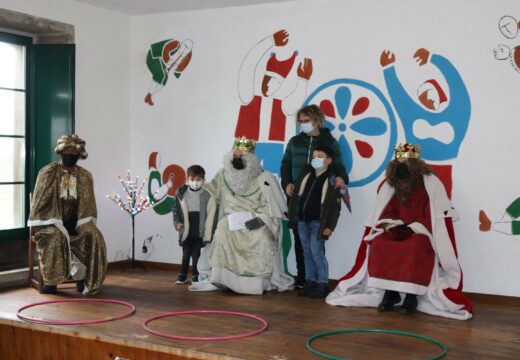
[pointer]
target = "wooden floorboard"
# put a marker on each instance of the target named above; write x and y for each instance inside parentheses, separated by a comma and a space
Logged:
(494, 333)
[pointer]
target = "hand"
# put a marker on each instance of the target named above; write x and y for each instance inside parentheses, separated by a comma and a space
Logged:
(254, 224)
(289, 189)
(305, 69)
(421, 56)
(501, 52)
(387, 58)
(339, 182)
(327, 232)
(281, 38)
(178, 227)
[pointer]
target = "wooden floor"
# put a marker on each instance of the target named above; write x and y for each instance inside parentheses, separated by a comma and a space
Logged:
(493, 334)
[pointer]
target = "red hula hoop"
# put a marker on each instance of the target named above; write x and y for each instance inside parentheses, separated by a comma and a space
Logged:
(218, 338)
(77, 322)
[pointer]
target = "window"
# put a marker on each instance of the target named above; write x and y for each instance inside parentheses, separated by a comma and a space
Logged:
(13, 125)
(33, 115)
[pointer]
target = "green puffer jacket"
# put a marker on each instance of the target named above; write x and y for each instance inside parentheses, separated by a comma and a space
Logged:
(298, 153)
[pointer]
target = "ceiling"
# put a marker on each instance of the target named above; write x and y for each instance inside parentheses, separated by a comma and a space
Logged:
(141, 7)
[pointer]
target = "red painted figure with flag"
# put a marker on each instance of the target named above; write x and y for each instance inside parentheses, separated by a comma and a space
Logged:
(272, 84)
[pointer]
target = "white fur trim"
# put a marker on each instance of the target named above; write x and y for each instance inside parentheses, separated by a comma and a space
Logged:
(86, 220)
(404, 287)
(251, 285)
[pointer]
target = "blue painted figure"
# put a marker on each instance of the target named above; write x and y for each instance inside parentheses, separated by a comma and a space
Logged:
(437, 123)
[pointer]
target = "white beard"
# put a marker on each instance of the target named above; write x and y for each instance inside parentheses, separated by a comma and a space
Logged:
(240, 180)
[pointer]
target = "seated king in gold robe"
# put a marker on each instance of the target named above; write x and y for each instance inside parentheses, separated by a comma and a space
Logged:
(63, 216)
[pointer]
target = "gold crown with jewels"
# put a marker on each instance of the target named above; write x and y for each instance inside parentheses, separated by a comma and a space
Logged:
(244, 144)
(407, 151)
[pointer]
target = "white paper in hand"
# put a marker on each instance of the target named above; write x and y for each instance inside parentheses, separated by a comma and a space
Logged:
(237, 220)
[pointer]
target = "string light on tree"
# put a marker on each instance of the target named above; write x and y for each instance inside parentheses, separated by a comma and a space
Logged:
(132, 201)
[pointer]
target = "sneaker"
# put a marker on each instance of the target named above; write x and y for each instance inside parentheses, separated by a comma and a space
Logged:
(181, 280)
(307, 288)
(299, 283)
(194, 278)
(321, 290)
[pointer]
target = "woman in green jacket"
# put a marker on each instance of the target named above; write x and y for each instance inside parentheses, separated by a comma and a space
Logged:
(298, 154)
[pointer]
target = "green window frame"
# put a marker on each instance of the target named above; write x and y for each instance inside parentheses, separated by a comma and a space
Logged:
(49, 113)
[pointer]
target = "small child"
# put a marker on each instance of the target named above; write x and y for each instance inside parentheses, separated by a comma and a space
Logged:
(315, 209)
(194, 217)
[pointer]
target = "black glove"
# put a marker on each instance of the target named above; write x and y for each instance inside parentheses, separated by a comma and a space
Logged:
(254, 224)
(204, 243)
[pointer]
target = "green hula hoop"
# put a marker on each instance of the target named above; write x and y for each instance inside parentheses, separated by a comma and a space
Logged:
(343, 331)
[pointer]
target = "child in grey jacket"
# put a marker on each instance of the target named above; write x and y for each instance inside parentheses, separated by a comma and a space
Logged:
(194, 217)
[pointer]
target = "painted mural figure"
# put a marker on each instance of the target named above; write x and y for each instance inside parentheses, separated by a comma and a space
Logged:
(269, 92)
(245, 254)
(508, 224)
(436, 122)
(509, 28)
(63, 216)
(162, 184)
(163, 58)
(408, 247)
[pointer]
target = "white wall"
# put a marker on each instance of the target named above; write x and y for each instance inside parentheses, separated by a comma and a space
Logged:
(194, 117)
(102, 97)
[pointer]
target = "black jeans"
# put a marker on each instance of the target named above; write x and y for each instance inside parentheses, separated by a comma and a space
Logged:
(298, 251)
(190, 249)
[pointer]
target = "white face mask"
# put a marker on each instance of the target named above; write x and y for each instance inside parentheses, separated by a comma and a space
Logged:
(318, 163)
(307, 127)
(194, 185)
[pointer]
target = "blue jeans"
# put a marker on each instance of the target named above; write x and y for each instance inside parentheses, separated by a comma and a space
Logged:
(316, 265)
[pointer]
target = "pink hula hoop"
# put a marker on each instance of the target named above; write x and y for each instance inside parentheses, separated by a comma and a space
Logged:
(194, 338)
(77, 322)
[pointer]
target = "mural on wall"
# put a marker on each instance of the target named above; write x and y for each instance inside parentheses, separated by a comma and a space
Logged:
(509, 28)
(436, 119)
(508, 224)
(163, 58)
(272, 84)
(162, 185)
(361, 119)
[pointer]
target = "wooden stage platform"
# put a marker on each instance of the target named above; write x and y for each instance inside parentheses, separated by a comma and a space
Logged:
(493, 334)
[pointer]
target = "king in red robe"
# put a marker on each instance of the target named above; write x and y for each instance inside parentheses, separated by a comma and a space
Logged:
(407, 259)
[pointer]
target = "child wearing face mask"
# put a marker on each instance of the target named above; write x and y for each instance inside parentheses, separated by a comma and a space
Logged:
(315, 209)
(194, 217)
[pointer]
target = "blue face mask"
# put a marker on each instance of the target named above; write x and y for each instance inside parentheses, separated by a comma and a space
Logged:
(307, 127)
(318, 163)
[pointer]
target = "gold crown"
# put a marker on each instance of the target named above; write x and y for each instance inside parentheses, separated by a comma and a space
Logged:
(244, 144)
(407, 151)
